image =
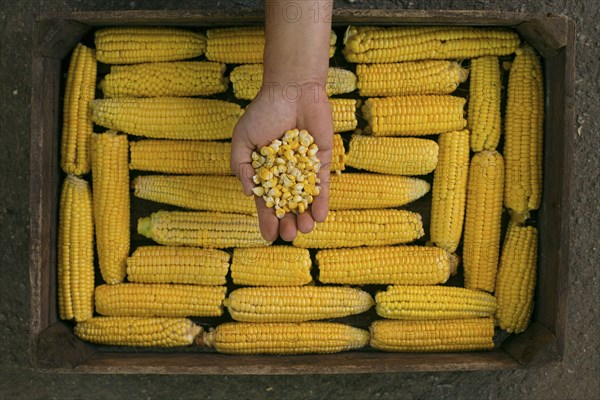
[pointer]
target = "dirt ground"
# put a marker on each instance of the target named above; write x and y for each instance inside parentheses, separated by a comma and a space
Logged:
(577, 377)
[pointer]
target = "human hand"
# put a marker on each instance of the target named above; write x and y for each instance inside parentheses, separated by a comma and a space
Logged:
(276, 109)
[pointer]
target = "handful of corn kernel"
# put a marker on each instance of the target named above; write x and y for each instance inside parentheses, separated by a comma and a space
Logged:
(286, 172)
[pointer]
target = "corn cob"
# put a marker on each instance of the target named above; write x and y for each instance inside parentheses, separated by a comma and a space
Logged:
(369, 44)
(344, 114)
(242, 45)
(168, 117)
(414, 115)
(75, 251)
(433, 336)
(165, 264)
(483, 220)
(199, 157)
(124, 45)
(418, 77)
(296, 303)
(196, 192)
(433, 303)
(516, 278)
(483, 118)
(160, 300)
(111, 203)
(402, 265)
(524, 131)
(387, 155)
(285, 338)
(271, 266)
(138, 331)
(247, 80)
(353, 228)
(183, 78)
(77, 117)
(450, 190)
(204, 229)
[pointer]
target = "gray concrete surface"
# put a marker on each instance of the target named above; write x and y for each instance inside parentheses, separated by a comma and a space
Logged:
(577, 377)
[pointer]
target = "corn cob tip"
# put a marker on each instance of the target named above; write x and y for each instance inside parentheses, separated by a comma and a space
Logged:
(518, 218)
(454, 261)
(205, 338)
(145, 226)
(463, 74)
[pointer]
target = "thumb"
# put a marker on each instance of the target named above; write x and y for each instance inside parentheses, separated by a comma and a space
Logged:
(241, 159)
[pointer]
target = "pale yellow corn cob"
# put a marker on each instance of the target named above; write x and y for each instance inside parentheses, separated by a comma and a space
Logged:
(371, 44)
(271, 266)
(285, 338)
(183, 78)
(110, 176)
(204, 229)
(390, 155)
(160, 300)
(418, 77)
(296, 303)
(483, 220)
(414, 115)
(138, 331)
(354, 228)
(168, 117)
(434, 303)
(450, 190)
(402, 265)
(167, 264)
(132, 45)
(75, 273)
(433, 336)
(75, 157)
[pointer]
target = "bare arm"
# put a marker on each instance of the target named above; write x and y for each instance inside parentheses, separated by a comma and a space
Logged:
(293, 95)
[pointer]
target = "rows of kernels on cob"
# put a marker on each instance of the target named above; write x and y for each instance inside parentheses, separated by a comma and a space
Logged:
(214, 260)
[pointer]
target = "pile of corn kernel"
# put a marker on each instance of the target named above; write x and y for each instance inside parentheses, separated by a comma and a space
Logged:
(286, 173)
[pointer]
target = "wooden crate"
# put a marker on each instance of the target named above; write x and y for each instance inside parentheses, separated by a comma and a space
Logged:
(53, 345)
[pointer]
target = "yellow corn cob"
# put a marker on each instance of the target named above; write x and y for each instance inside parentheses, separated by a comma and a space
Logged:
(433, 336)
(199, 157)
(160, 300)
(168, 117)
(354, 228)
(285, 338)
(370, 44)
(516, 278)
(418, 77)
(111, 203)
(205, 229)
(402, 265)
(77, 116)
(138, 331)
(450, 190)
(388, 155)
(242, 45)
(344, 114)
(166, 264)
(125, 45)
(483, 118)
(296, 303)
(247, 81)
(414, 115)
(224, 193)
(271, 266)
(75, 251)
(196, 192)
(434, 302)
(183, 78)
(351, 191)
(524, 131)
(483, 220)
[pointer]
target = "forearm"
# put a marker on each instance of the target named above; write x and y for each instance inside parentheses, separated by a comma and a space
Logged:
(297, 41)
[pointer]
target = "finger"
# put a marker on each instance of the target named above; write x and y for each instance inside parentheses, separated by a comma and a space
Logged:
(241, 157)
(287, 227)
(267, 220)
(305, 222)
